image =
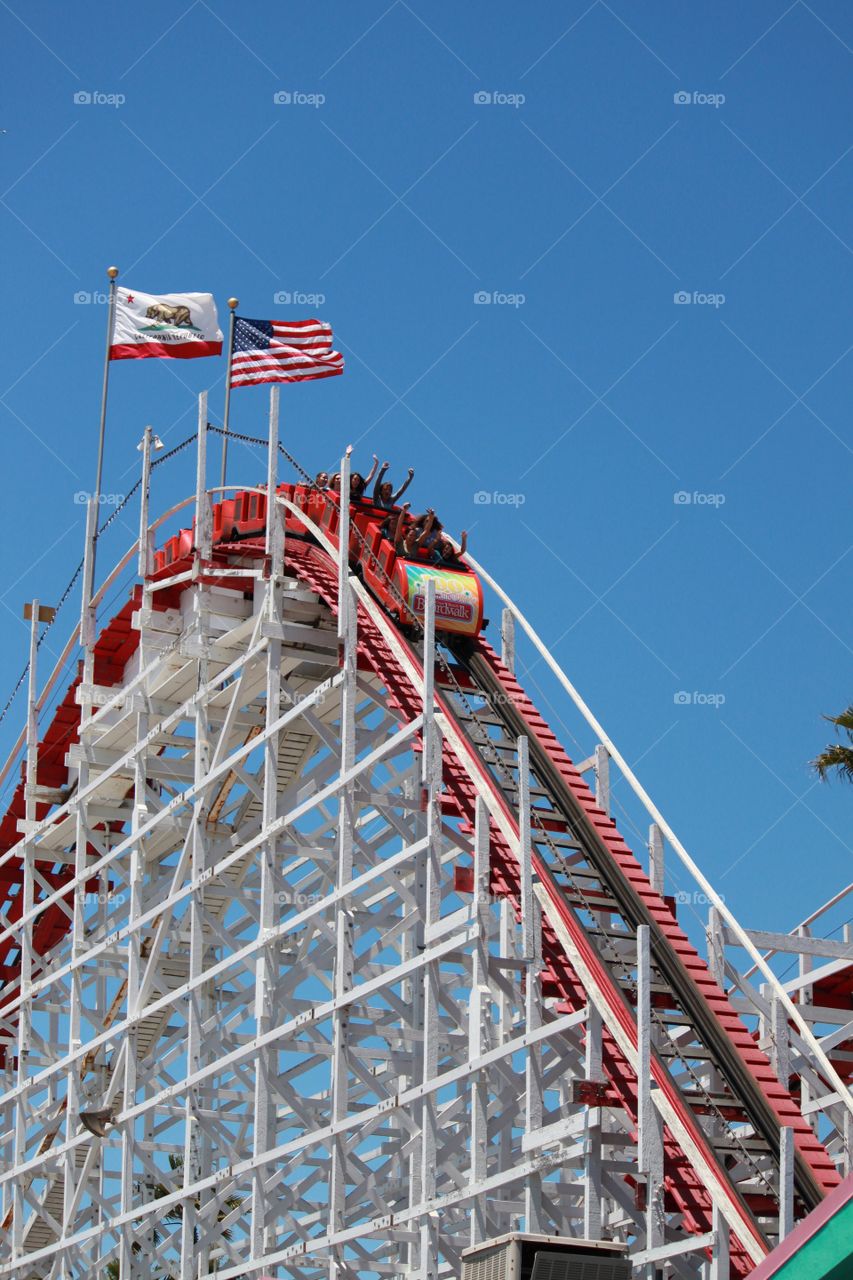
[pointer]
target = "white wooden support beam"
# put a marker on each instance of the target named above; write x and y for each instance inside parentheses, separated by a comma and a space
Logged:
(525, 850)
(87, 609)
(593, 1198)
(602, 777)
(430, 731)
(129, 1264)
(343, 544)
(661, 1253)
(344, 925)
(145, 556)
(716, 936)
(431, 788)
(198, 864)
(531, 929)
(420, 1246)
(780, 1047)
(508, 951)
(203, 511)
(32, 718)
(79, 978)
(786, 1181)
(274, 543)
(508, 640)
(24, 1036)
(720, 1266)
(650, 1133)
(266, 959)
(806, 996)
(478, 1033)
(798, 943)
(656, 858)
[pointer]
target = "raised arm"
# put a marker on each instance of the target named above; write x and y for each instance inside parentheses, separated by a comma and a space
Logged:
(379, 479)
(398, 527)
(369, 477)
(426, 530)
(463, 542)
(404, 486)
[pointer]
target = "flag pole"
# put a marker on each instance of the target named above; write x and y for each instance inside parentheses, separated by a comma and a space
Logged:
(233, 303)
(112, 272)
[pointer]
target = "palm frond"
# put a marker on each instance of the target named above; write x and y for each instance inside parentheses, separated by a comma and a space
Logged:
(844, 721)
(175, 1216)
(835, 759)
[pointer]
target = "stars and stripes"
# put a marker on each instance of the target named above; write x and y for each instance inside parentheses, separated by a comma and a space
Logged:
(282, 351)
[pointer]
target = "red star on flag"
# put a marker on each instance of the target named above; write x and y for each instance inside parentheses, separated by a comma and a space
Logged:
(130, 298)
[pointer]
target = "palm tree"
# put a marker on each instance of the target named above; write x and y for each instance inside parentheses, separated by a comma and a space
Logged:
(174, 1217)
(837, 757)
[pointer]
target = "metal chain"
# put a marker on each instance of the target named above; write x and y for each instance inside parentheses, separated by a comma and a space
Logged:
(177, 449)
(13, 695)
(121, 506)
(235, 435)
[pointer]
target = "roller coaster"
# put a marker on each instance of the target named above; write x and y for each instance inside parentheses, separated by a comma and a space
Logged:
(321, 957)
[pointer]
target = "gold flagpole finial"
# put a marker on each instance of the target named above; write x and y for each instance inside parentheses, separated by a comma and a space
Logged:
(233, 303)
(112, 272)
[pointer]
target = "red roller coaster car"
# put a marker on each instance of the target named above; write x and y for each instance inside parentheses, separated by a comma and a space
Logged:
(396, 582)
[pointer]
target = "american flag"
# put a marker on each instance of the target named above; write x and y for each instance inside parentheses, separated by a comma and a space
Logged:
(282, 351)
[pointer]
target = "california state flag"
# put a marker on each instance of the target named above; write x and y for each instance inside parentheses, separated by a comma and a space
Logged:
(164, 324)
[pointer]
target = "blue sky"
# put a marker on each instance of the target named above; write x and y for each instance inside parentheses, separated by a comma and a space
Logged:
(582, 400)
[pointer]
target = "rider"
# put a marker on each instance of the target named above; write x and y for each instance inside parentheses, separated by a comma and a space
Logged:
(358, 483)
(383, 493)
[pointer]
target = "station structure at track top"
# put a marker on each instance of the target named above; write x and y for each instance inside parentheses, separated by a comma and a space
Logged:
(321, 958)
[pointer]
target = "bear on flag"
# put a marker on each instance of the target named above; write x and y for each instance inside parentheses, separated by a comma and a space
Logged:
(181, 325)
